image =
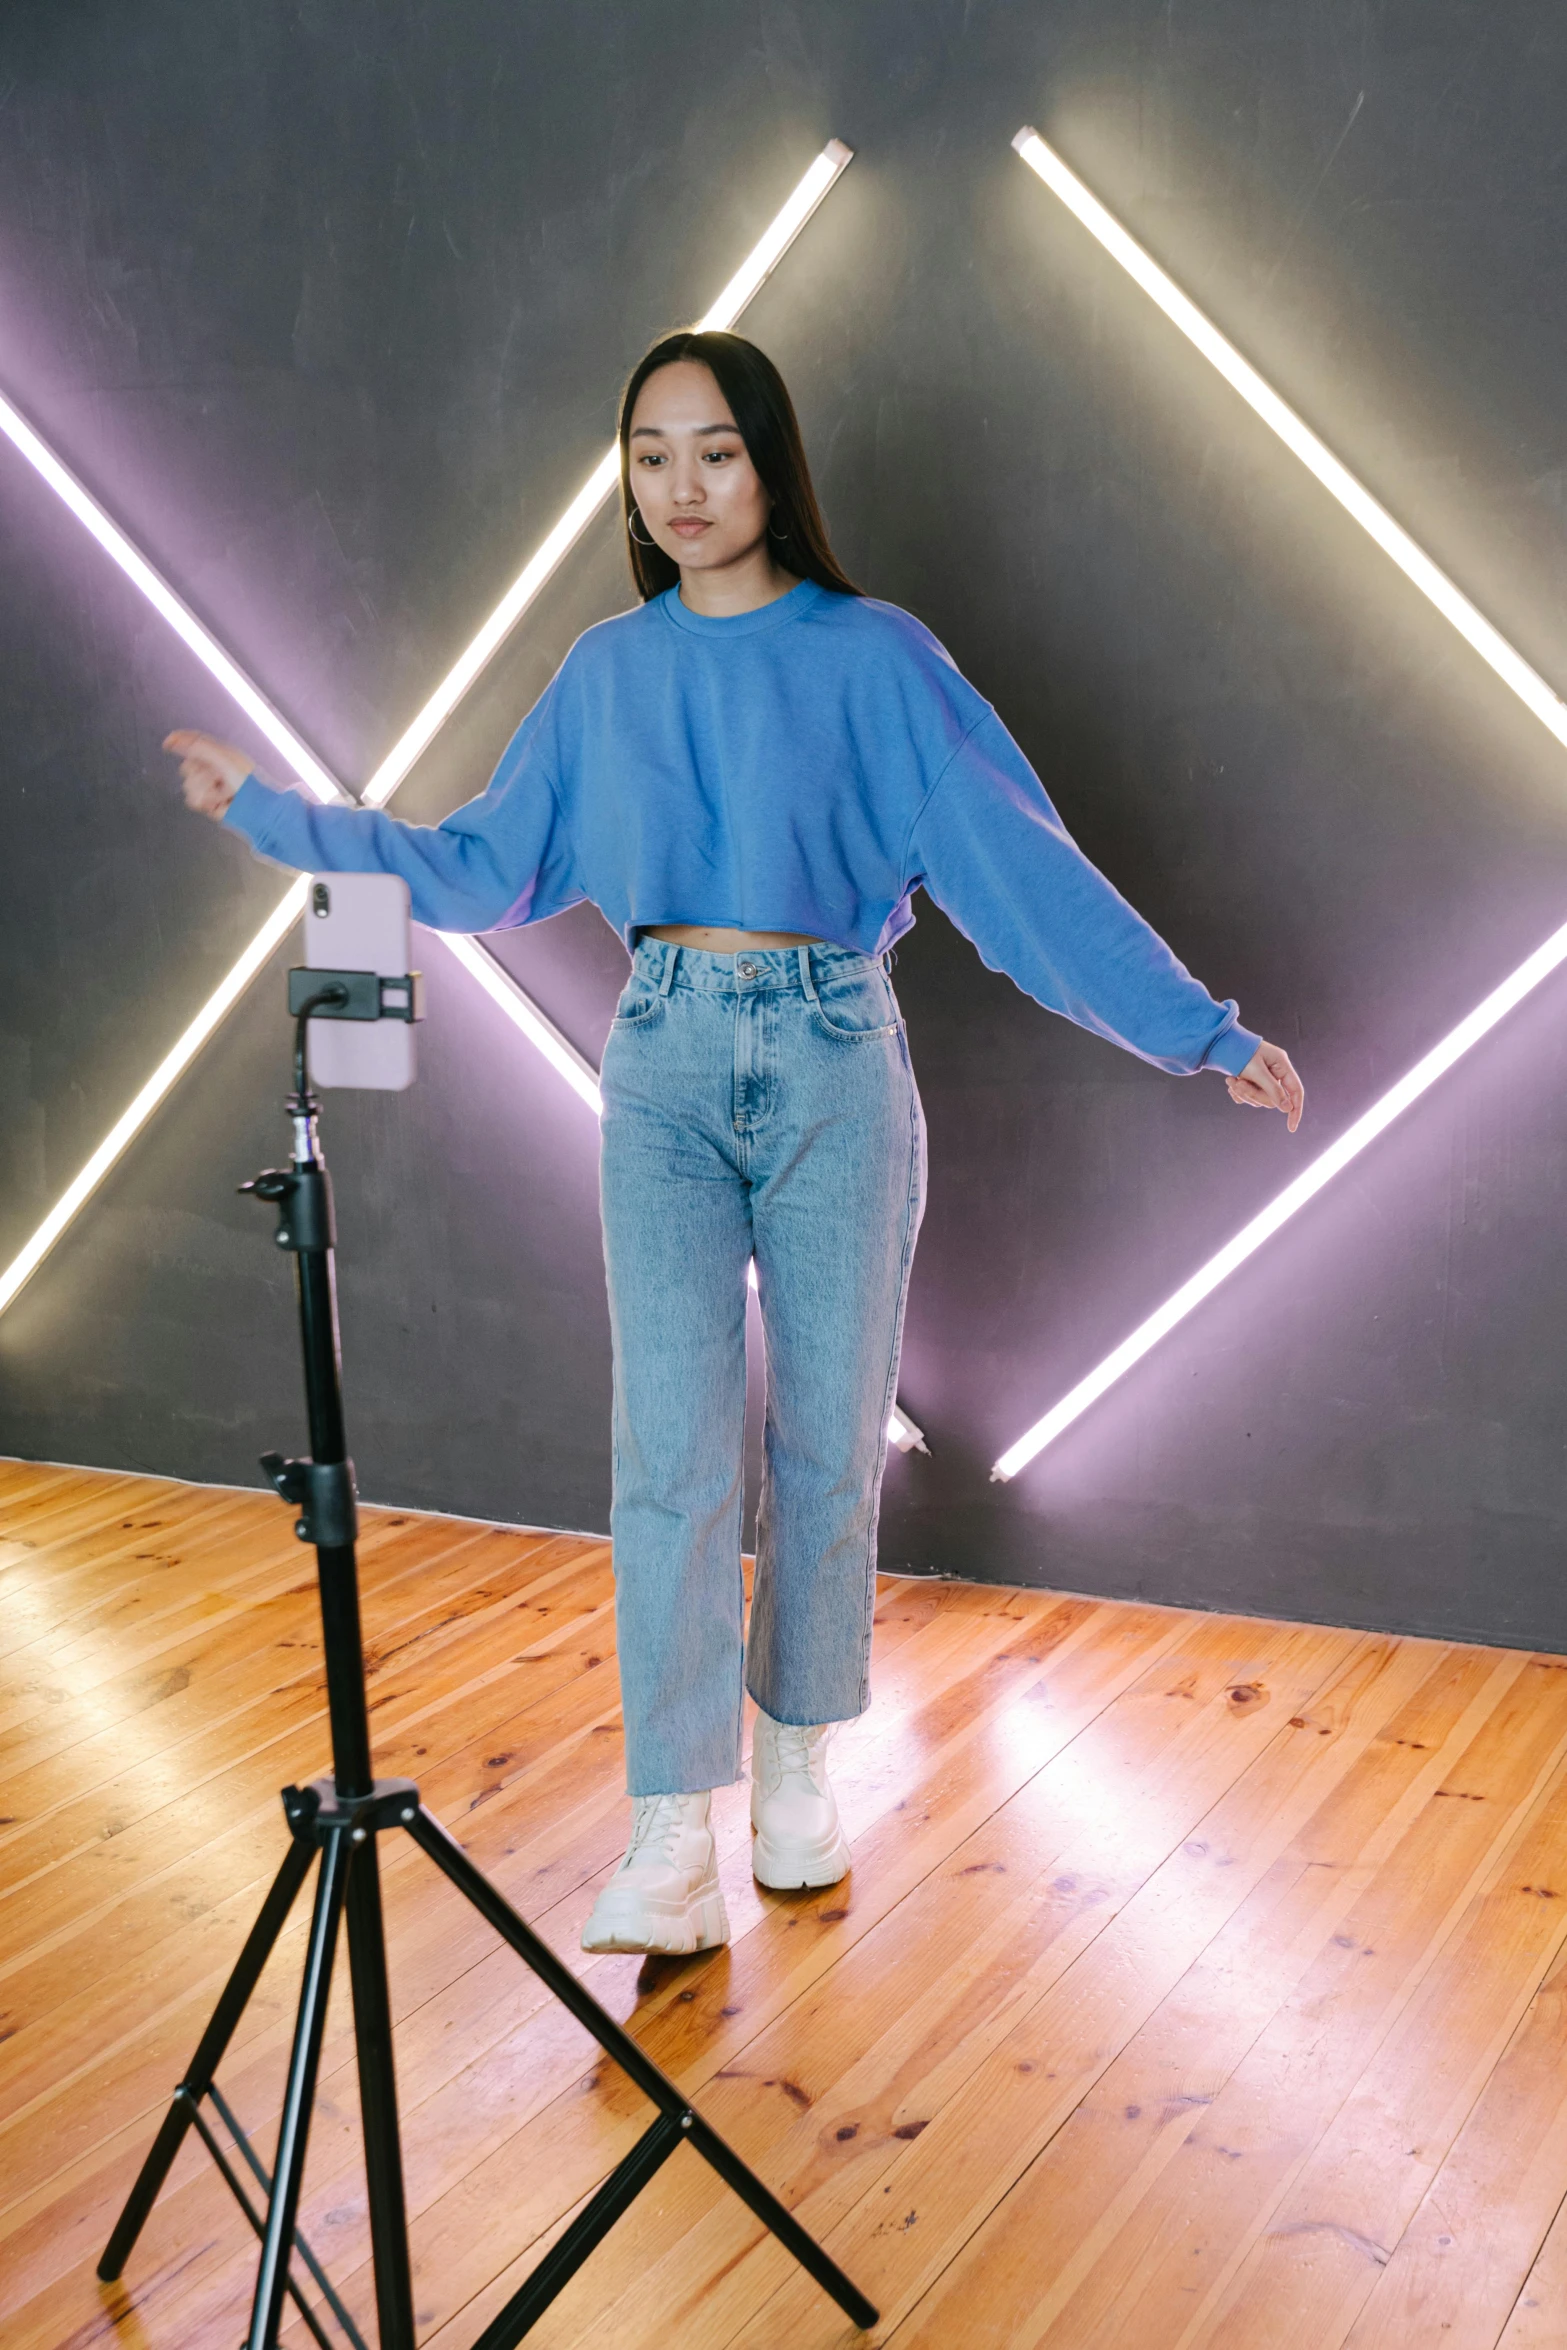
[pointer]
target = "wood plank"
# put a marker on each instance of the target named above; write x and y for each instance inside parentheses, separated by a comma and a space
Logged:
(45, 1583)
(283, 1625)
(74, 1509)
(120, 1589)
(1539, 2315)
(1350, 2200)
(1454, 2273)
(210, 1709)
(26, 1482)
(77, 1803)
(263, 1556)
(1350, 1713)
(94, 1496)
(1172, 2164)
(126, 1703)
(46, 1674)
(19, 1479)
(142, 1886)
(530, 1746)
(85, 1582)
(85, 1517)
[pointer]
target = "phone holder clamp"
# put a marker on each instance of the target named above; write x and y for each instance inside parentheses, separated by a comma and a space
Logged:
(355, 995)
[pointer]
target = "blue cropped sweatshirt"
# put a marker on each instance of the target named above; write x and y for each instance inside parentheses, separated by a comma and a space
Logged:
(805, 767)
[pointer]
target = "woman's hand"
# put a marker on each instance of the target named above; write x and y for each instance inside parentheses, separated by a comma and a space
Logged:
(210, 772)
(1269, 1082)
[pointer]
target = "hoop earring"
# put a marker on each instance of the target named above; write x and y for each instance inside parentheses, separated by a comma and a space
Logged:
(780, 535)
(631, 525)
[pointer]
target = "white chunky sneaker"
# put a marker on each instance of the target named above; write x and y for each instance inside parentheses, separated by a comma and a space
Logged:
(799, 1837)
(665, 1894)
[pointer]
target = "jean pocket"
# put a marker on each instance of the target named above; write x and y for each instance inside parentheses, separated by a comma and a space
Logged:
(855, 1010)
(638, 1005)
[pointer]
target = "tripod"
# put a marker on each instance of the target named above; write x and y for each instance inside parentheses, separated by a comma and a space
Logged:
(338, 1819)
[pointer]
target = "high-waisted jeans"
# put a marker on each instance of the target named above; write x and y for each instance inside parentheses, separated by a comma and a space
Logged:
(757, 1106)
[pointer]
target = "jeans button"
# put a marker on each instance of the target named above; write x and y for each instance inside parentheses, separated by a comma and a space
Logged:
(747, 970)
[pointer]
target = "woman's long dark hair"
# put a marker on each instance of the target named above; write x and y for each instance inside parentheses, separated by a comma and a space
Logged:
(760, 404)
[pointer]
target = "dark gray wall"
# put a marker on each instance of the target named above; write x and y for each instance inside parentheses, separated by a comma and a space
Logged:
(330, 304)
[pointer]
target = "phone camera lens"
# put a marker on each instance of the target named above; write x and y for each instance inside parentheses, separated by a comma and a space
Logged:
(321, 899)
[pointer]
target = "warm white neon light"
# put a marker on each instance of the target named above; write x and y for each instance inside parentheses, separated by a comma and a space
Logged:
(753, 272)
(497, 983)
(476, 656)
(778, 236)
(1450, 601)
(135, 1116)
(1508, 665)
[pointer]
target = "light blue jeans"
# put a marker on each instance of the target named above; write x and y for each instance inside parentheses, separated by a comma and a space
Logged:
(758, 1105)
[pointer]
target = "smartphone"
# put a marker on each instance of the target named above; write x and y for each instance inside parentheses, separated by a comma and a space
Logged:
(360, 922)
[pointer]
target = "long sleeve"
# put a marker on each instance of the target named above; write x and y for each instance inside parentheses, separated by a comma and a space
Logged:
(991, 850)
(502, 860)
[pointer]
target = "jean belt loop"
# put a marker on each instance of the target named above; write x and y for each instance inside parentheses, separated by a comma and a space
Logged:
(671, 966)
(806, 981)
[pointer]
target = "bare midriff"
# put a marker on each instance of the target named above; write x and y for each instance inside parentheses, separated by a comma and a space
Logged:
(710, 941)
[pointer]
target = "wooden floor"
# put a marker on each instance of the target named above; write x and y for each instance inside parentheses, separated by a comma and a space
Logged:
(1200, 1980)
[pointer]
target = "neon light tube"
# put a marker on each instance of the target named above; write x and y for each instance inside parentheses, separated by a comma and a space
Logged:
(131, 1120)
(753, 272)
(1433, 583)
(520, 1008)
(1290, 1200)
(778, 236)
(504, 991)
(165, 602)
(1493, 648)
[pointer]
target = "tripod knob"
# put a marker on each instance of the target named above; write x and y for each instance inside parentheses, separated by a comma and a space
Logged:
(323, 1493)
(303, 1199)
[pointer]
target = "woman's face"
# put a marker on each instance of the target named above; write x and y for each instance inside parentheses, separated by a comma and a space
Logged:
(699, 495)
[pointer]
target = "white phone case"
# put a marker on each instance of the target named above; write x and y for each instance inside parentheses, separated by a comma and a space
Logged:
(360, 922)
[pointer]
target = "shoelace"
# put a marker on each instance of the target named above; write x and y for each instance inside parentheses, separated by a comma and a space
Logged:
(801, 1749)
(655, 1820)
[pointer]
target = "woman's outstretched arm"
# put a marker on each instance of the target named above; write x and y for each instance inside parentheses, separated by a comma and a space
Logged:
(502, 860)
(991, 850)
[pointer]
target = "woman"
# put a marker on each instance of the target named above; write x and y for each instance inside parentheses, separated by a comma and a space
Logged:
(750, 775)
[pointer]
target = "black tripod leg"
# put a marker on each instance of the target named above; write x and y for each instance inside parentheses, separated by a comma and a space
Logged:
(394, 2293)
(258, 2221)
(209, 2055)
(451, 1859)
(561, 2263)
(299, 2096)
(781, 2221)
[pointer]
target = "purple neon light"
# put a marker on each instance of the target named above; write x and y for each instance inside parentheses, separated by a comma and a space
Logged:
(1492, 647)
